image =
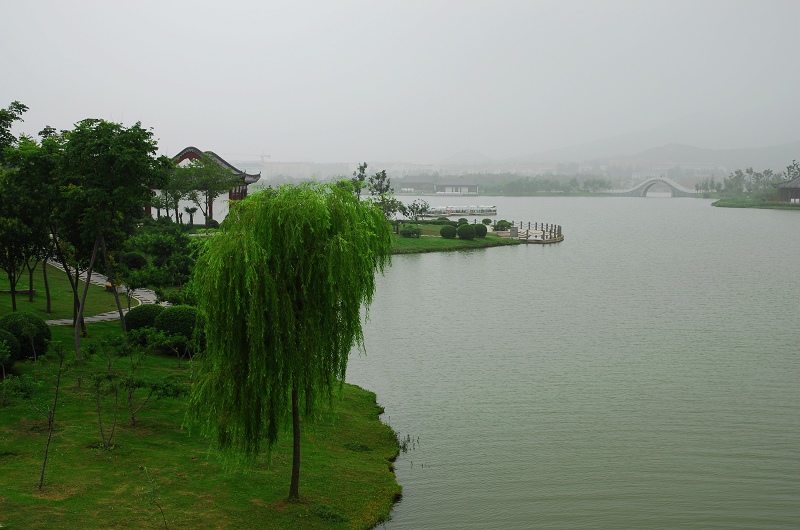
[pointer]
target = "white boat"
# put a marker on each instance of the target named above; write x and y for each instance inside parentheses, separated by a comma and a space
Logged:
(448, 211)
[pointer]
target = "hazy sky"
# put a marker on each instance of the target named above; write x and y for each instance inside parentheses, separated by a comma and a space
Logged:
(398, 81)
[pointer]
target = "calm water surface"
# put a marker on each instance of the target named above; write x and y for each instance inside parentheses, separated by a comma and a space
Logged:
(644, 373)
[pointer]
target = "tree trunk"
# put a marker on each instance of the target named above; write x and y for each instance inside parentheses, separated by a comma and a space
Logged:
(13, 291)
(110, 276)
(52, 415)
(82, 305)
(47, 287)
(294, 487)
(30, 279)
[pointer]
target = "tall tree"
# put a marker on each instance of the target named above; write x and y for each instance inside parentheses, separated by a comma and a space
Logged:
(107, 172)
(359, 177)
(8, 116)
(282, 288)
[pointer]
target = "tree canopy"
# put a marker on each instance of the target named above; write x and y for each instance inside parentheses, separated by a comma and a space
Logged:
(282, 285)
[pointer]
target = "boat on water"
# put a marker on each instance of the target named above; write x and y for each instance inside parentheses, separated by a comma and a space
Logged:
(447, 211)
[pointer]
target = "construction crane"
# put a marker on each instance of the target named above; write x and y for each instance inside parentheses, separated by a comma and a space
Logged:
(262, 156)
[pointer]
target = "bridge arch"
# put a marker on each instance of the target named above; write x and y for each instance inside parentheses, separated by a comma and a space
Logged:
(641, 189)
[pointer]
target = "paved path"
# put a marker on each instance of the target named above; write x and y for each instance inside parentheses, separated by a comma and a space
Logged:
(144, 296)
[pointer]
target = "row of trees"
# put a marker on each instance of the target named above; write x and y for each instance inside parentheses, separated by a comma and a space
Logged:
(548, 184)
(748, 182)
(73, 196)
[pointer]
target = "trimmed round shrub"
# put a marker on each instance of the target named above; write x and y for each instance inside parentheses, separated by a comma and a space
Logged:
(501, 225)
(448, 232)
(177, 320)
(463, 220)
(480, 230)
(487, 221)
(466, 232)
(30, 330)
(142, 316)
(134, 260)
(13, 345)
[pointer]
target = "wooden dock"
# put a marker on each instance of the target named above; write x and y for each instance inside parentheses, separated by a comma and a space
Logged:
(535, 233)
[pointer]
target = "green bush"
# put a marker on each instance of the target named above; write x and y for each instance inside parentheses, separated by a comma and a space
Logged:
(487, 221)
(13, 345)
(143, 316)
(501, 225)
(466, 231)
(463, 220)
(212, 223)
(410, 232)
(480, 230)
(30, 330)
(134, 260)
(448, 232)
(178, 320)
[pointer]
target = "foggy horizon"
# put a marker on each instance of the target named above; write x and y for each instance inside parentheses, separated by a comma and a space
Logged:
(415, 82)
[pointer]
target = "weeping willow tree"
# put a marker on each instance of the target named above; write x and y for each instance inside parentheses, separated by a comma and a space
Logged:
(282, 285)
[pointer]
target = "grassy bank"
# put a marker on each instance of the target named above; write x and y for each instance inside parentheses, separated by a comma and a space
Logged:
(755, 203)
(431, 241)
(98, 300)
(156, 468)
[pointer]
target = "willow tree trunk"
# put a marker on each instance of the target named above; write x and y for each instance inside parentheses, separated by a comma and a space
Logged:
(294, 486)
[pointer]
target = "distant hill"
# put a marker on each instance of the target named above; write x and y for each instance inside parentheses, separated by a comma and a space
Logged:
(468, 158)
(757, 137)
(775, 157)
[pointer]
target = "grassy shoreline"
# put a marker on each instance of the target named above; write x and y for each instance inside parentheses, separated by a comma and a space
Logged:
(753, 203)
(346, 481)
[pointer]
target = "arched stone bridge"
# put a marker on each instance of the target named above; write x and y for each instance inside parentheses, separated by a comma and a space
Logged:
(641, 190)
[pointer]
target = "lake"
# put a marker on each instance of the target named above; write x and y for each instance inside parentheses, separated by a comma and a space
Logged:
(644, 373)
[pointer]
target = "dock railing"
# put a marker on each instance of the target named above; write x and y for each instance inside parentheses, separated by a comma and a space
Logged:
(536, 232)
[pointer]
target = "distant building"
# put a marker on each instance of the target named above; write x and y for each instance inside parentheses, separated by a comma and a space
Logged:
(456, 189)
(789, 191)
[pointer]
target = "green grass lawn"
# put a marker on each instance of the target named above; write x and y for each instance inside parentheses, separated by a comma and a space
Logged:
(345, 479)
(430, 241)
(98, 300)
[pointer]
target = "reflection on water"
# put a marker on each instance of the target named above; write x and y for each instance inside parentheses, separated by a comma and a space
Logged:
(643, 373)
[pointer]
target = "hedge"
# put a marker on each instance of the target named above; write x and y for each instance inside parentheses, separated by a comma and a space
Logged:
(480, 230)
(142, 316)
(178, 320)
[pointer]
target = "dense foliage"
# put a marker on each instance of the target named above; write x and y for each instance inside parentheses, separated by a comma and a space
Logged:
(480, 230)
(12, 344)
(410, 232)
(282, 287)
(30, 330)
(501, 225)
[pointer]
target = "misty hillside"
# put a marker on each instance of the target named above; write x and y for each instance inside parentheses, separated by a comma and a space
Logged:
(775, 157)
(766, 137)
(468, 157)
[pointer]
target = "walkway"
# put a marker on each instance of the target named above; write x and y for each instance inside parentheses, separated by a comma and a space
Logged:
(144, 296)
